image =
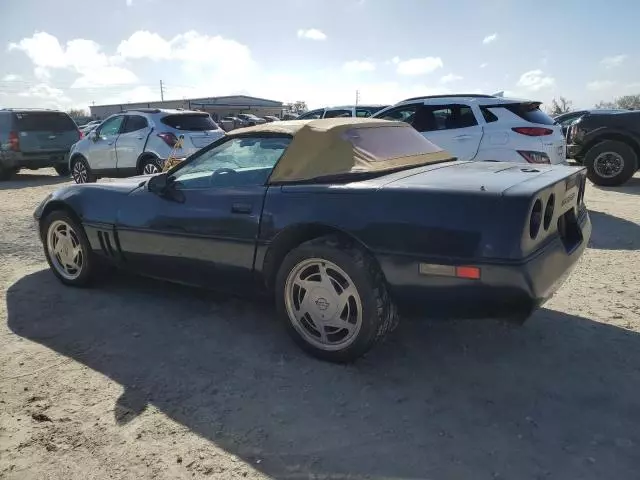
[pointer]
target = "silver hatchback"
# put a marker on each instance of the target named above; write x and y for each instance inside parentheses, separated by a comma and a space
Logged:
(138, 142)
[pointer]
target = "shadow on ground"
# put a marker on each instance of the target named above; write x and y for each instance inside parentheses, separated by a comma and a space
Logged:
(613, 233)
(22, 180)
(557, 398)
(631, 187)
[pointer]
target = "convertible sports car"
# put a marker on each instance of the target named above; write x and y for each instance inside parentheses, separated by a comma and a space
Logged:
(345, 221)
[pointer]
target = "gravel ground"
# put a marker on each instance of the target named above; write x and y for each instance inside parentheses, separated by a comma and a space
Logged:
(139, 379)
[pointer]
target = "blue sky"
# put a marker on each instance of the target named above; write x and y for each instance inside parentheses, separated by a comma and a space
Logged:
(67, 54)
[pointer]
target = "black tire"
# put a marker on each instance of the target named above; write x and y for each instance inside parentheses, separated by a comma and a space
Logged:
(150, 162)
(7, 173)
(62, 170)
(619, 149)
(80, 162)
(379, 313)
(90, 261)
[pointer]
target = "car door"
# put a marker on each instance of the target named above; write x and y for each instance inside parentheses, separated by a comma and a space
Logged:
(101, 153)
(205, 232)
(130, 143)
(452, 127)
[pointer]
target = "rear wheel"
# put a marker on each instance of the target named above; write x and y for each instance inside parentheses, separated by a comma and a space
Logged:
(610, 163)
(6, 172)
(62, 170)
(333, 299)
(81, 172)
(67, 249)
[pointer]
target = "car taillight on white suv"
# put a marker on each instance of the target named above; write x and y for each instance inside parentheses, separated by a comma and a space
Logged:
(533, 131)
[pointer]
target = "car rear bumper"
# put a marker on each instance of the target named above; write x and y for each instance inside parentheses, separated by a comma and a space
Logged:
(34, 160)
(506, 289)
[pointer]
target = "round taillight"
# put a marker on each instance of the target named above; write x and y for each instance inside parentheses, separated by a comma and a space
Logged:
(548, 211)
(536, 219)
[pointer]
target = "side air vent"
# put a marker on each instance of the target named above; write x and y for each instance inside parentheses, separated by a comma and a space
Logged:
(110, 245)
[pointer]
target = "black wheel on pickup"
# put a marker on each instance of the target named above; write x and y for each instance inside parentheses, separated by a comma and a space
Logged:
(6, 173)
(610, 163)
(333, 299)
(62, 170)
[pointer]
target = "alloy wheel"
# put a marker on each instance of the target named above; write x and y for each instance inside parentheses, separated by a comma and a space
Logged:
(65, 250)
(608, 164)
(323, 304)
(150, 169)
(80, 173)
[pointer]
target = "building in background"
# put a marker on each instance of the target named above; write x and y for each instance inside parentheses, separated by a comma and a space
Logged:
(218, 107)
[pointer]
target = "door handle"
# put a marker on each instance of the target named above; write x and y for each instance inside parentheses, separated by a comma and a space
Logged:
(140, 138)
(241, 208)
(109, 143)
(462, 137)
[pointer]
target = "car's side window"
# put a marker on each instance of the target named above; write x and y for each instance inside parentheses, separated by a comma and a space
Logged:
(443, 117)
(337, 113)
(237, 162)
(405, 113)
(134, 123)
(111, 126)
(312, 115)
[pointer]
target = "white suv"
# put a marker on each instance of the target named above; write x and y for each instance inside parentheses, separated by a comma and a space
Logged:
(484, 127)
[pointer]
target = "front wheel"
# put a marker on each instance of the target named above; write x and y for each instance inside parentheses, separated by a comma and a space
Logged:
(610, 163)
(333, 299)
(150, 166)
(81, 172)
(67, 249)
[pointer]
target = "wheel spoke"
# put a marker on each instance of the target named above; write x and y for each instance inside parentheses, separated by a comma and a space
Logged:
(325, 279)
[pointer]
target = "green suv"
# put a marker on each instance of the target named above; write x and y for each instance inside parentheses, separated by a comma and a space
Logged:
(33, 139)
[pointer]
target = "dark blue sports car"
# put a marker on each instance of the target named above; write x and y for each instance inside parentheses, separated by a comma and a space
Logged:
(343, 220)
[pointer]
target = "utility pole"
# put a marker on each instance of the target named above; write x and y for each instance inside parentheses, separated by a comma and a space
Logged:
(357, 97)
(161, 91)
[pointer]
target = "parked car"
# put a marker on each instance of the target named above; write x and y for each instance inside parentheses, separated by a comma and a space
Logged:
(566, 119)
(229, 123)
(35, 138)
(289, 116)
(484, 127)
(250, 119)
(608, 144)
(362, 111)
(343, 221)
(271, 118)
(89, 126)
(139, 141)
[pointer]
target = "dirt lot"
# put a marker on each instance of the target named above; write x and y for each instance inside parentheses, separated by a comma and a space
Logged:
(139, 379)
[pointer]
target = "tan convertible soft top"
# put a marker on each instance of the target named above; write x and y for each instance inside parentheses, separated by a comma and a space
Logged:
(337, 146)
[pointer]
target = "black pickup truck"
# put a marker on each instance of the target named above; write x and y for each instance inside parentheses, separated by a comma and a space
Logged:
(608, 144)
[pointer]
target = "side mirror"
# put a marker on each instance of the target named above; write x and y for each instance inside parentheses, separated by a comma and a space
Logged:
(162, 186)
(95, 136)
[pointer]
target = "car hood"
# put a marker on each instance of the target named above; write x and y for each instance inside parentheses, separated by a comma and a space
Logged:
(488, 177)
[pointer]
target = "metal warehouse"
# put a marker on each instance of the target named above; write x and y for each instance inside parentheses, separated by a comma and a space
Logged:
(218, 107)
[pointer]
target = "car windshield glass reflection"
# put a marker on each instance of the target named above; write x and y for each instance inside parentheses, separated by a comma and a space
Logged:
(239, 161)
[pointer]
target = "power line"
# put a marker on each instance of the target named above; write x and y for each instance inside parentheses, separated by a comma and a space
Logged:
(161, 92)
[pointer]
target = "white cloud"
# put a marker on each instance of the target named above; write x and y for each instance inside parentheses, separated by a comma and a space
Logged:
(82, 56)
(395, 60)
(451, 77)
(312, 34)
(614, 61)
(484, 65)
(129, 3)
(418, 66)
(144, 44)
(357, 66)
(11, 77)
(535, 80)
(490, 38)
(600, 85)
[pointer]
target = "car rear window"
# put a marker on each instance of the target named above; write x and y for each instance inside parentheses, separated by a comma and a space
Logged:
(384, 143)
(193, 122)
(44, 121)
(530, 112)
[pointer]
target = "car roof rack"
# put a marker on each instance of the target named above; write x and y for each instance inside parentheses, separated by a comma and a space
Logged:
(452, 95)
(143, 110)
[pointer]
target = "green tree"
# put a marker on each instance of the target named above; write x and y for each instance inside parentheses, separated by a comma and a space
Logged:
(560, 106)
(297, 107)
